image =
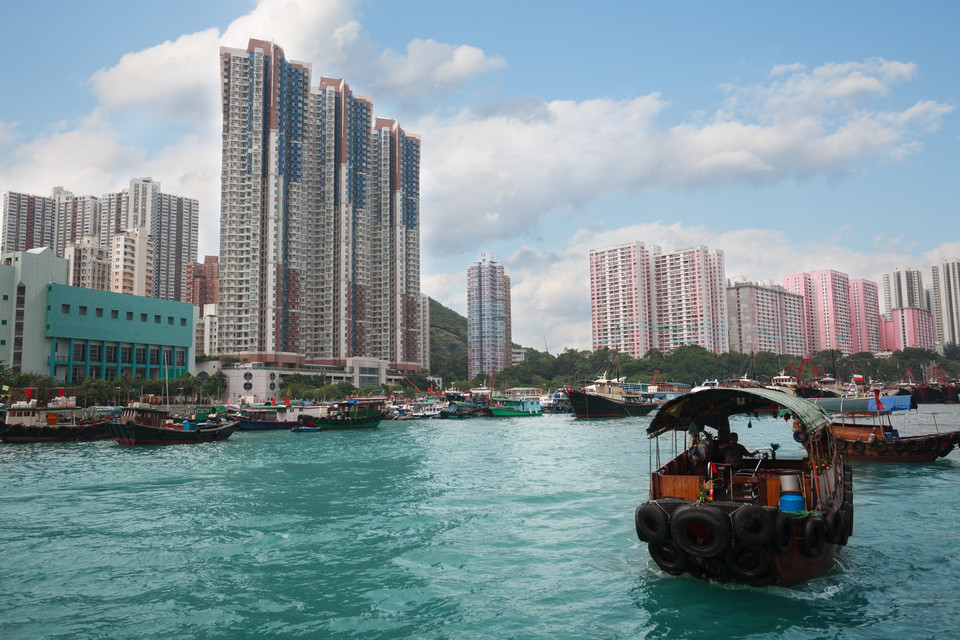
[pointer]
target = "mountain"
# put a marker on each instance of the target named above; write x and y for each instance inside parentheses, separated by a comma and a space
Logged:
(448, 343)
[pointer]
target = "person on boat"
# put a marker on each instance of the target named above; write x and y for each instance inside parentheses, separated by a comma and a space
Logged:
(732, 452)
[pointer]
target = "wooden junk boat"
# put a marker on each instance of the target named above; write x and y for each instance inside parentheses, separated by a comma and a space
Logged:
(141, 423)
(766, 521)
(355, 413)
(867, 433)
(610, 398)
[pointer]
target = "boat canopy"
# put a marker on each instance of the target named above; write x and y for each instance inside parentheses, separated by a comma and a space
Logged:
(706, 407)
(866, 405)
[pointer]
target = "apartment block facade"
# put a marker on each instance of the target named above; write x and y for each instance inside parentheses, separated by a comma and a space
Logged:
(908, 327)
(203, 281)
(765, 317)
(488, 318)
(838, 313)
(319, 219)
(644, 299)
(945, 299)
(902, 287)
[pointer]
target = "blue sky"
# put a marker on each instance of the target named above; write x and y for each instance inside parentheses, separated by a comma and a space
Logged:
(792, 136)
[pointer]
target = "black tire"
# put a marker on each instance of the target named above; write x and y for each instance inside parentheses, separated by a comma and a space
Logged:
(842, 527)
(784, 533)
(848, 517)
(801, 436)
(668, 556)
(898, 446)
(880, 446)
(858, 446)
(955, 438)
(701, 530)
(945, 449)
(813, 537)
(652, 522)
(930, 443)
(842, 444)
(831, 520)
(913, 446)
(752, 524)
(747, 562)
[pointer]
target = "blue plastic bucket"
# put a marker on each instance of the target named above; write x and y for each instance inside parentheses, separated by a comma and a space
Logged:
(791, 502)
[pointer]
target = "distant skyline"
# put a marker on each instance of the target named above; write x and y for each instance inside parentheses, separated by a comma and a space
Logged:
(791, 137)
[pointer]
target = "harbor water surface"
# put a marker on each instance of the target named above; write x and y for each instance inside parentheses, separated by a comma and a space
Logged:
(481, 528)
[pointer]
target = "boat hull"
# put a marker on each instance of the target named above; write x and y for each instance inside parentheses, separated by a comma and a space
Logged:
(17, 433)
(588, 405)
(854, 444)
(244, 424)
(131, 434)
(312, 423)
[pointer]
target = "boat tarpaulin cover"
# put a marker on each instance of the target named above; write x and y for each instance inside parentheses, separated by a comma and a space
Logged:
(706, 407)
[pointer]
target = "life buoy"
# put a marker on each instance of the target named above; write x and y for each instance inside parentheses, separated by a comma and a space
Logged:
(701, 530)
(784, 533)
(842, 444)
(652, 523)
(668, 556)
(747, 562)
(858, 446)
(752, 524)
(813, 537)
(880, 446)
(801, 436)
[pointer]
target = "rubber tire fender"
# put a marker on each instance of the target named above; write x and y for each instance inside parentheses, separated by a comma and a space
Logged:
(705, 519)
(668, 556)
(784, 534)
(652, 522)
(752, 524)
(813, 537)
(748, 562)
(955, 437)
(801, 436)
(858, 446)
(831, 520)
(898, 446)
(842, 444)
(913, 446)
(880, 446)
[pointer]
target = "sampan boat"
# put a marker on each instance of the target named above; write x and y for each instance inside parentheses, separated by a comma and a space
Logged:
(757, 520)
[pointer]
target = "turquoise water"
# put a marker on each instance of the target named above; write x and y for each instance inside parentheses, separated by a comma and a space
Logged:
(513, 528)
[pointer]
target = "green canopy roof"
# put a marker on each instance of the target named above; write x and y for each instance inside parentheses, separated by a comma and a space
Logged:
(705, 407)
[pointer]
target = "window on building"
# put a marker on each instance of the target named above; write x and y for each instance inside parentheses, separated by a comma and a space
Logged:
(129, 315)
(64, 308)
(126, 354)
(83, 310)
(143, 317)
(114, 314)
(156, 319)
(111, 354)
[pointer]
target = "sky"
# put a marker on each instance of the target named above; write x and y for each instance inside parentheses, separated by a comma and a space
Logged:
(792, 136)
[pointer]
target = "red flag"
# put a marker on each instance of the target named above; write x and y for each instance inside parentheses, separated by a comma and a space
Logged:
(274, 401)
(286, 401)
(29, 392)
(59, 393)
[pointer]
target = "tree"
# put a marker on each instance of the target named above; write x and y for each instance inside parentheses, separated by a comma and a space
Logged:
(951, 351)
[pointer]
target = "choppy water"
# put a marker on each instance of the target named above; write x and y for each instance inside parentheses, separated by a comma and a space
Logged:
(514, 528)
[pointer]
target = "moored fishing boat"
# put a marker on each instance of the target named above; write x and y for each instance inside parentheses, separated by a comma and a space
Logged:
(28, 423)
(868, 433)
(355, 413)
(502, 407)
(757, 520)
(605, 398)
(282, 416)
(141, 424)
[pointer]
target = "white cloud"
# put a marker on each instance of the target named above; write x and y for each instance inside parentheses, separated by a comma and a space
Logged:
(522, 162)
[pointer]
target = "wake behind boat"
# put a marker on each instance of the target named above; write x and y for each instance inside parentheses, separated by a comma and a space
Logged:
(141, 424)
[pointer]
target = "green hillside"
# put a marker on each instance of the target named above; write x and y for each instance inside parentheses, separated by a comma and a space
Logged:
(448, 343)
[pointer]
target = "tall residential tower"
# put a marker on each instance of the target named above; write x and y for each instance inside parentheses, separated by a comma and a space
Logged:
(488, 318)
(319, 219)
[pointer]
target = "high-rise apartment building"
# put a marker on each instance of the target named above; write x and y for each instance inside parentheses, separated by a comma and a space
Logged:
(650, 299)
(839, 313)
(89, 264)
(63, 219)
(765, 317)
(203, 281)
(319, 219)
(132, 263)
(908, 327)
(946, 302)
(902, 287)
(488, 318)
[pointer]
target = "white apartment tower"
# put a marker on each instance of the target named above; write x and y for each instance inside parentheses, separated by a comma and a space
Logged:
(89, 264)
(132, 263)
(946, 302)
(902, 288)
(319, 219)
(488, 318)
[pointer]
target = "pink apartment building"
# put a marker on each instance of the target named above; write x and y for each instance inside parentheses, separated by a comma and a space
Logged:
(839, 313)
(909, 327)
(646, 299)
